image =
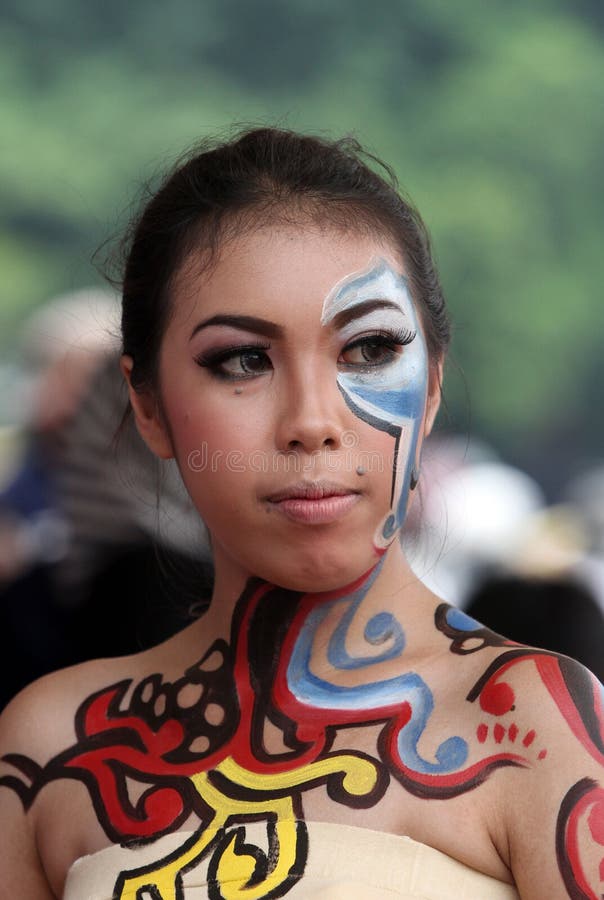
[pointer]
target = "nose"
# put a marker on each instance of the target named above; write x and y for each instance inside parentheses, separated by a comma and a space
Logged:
(311, 414)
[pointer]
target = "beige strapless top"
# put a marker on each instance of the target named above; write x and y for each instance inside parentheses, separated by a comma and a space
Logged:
(344, 863)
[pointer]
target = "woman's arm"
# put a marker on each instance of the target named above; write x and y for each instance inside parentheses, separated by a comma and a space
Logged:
(21, 874)
(555, 811)
(28, 729)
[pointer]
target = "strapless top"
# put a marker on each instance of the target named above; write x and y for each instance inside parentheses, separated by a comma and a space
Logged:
(343, 862)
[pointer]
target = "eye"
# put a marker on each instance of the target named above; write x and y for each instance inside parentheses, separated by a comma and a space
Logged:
(235, 363)
(369, 351)
(379, 349)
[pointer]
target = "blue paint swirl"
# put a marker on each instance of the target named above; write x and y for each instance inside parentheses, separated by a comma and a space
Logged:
(381, 631)
(382, 627)
(408, 687)
(461, 621)
(390, 526)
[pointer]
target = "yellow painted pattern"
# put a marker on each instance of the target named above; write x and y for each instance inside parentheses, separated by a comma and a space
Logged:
(234, 870)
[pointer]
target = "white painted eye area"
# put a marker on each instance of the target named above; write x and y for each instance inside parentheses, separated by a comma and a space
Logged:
(375, 350)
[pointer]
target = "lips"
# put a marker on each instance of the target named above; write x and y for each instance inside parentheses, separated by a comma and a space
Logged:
(311, 490)
(314, 502)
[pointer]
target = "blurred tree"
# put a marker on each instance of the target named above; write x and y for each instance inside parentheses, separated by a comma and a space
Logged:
(489, 112)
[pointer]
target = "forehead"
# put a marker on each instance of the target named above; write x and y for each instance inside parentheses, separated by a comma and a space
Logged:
(287, 272)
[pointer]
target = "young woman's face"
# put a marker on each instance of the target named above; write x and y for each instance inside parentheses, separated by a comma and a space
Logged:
(294, 386)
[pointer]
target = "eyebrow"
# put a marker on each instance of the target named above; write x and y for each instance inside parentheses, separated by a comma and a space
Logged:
(245, 323)
(272, 330)
(362, 309)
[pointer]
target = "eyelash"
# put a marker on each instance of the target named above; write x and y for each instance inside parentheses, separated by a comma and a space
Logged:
(389, 340)
(214, 360)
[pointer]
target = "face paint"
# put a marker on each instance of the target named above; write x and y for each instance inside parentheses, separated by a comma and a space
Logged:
(391, 398)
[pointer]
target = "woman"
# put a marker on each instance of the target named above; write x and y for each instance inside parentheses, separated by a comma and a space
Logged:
(329, 727)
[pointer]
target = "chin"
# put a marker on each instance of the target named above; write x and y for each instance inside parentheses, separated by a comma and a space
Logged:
(318, 575)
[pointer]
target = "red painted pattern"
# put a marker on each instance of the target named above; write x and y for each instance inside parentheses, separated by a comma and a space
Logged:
(587, 808)
(482, 732)
(497, 698)
(528, 738)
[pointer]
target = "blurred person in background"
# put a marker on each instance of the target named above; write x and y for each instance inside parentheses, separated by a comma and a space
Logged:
(539, 595)
(487, 541)
(79, 530)
(62, 346)
(585, 493)
(474, 509)
(556, 612)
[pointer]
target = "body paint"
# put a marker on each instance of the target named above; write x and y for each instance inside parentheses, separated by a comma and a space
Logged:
(580, 700)
(153, 739)
(225, 775)
(392, 399)
(374, 698)
(582, 810)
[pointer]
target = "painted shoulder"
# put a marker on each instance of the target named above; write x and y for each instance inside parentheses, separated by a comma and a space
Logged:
(41, 717)
(39, 720)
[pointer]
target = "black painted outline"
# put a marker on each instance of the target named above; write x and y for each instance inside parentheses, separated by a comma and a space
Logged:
(459, 636)
(571, 798)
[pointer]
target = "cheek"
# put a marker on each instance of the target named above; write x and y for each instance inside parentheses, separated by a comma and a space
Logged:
(206, 423)
(214, 439)
(217, 483)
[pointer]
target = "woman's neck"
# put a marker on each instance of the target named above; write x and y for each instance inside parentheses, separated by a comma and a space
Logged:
(390, 587)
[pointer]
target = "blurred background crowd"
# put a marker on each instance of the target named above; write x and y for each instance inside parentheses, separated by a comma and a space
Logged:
(492, 115)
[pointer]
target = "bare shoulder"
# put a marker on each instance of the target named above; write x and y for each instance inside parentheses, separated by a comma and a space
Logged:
(550, 708)
(62, 709)
(36, 726)
(544, 707)
(44, 718)
(518, 686)
(53, 738)
(555, 810)
(540, 699)
(39, 720)
(536, 721)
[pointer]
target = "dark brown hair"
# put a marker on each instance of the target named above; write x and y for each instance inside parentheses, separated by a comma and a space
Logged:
(265, 176)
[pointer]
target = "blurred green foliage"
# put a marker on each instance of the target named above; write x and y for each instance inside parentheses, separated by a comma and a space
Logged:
(490, 112)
